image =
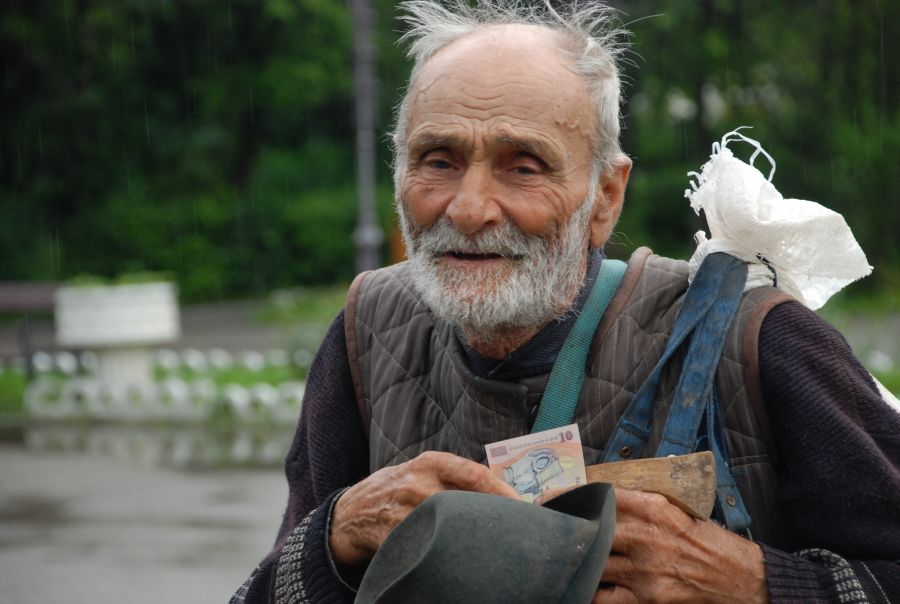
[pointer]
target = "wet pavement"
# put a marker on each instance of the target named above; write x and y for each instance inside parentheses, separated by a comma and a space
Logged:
(106, 513)
(87, 527)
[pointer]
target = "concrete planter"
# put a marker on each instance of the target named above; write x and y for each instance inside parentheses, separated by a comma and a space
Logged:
(119, 323)
(141, 314)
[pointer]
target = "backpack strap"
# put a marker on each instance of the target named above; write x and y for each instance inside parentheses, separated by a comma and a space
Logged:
(560, 397)
(750, 361)
(353, 351)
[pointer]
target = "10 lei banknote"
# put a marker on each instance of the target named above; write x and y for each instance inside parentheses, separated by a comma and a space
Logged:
(535, 463)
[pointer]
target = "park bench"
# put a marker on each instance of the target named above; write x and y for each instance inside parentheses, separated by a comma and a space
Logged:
(31, 306)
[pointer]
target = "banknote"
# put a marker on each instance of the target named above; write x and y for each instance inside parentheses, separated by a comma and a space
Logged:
(534, 463)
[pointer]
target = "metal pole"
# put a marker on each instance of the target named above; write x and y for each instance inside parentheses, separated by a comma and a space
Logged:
(368, 236)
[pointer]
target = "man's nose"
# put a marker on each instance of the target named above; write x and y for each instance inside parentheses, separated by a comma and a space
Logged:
(475, 207)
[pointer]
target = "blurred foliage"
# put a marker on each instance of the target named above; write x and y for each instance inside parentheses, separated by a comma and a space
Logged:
(305, 305)
(268, 374)
(210, 139)
(12, 392)
(214, 139)
(890, 380)
(817, 80)
(123, 279)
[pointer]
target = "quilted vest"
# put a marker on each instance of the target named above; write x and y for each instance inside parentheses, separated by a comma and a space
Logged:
(416, 393)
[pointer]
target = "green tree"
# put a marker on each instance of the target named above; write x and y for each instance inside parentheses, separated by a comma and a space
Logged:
(214, 139)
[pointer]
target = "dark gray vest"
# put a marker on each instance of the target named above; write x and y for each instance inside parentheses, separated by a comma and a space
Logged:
(417, 394)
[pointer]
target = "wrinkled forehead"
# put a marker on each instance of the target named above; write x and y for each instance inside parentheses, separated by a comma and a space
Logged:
(521, 69)
(499, 46)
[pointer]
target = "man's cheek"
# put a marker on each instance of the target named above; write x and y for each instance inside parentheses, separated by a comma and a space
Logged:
(422, 203)
(541, 212)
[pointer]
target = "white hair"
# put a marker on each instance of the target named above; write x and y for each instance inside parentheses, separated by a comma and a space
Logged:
(594, 40)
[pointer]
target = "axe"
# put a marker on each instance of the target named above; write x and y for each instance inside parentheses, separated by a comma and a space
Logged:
(687, 481)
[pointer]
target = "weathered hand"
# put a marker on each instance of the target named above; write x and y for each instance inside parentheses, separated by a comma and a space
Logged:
(367, 512)
(660, 554)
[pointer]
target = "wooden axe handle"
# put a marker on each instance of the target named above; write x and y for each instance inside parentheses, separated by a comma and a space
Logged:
(688, 481)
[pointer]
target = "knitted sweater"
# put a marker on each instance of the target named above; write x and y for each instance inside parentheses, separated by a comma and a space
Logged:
(839, 473)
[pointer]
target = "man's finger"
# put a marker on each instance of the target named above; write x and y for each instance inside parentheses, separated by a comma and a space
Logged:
(614, 595)
(639, 505)
(466, 475)
(618, 569)
(476, 477)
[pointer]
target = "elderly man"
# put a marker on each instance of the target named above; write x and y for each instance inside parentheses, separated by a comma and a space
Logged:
(509, 180)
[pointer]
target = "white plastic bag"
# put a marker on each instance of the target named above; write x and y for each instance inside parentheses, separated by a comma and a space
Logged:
(802, 247)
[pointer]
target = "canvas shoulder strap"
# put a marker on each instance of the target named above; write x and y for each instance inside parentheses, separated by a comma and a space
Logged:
(563, 389)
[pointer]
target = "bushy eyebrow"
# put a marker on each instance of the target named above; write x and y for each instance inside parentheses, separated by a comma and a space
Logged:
(432, 140)
(534, 146)
(528, 145)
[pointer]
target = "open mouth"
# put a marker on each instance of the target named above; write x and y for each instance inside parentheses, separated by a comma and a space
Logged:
(474, 256)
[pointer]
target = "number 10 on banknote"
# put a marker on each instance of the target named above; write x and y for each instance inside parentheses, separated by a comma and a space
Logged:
(535, 463)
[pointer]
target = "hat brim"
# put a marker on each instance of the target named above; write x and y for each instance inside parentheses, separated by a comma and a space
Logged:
(460, 547)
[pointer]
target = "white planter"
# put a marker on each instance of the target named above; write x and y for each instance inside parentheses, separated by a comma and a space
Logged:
(116, 316)
(119, 323)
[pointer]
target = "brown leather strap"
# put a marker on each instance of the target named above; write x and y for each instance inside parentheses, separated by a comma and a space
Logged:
(751, 365)
(623, 294)
(353, 351)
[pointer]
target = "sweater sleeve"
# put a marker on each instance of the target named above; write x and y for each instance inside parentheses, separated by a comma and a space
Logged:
(839, 471)
(329, 453)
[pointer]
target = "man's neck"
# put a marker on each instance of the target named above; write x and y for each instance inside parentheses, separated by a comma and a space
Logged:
(500, 345)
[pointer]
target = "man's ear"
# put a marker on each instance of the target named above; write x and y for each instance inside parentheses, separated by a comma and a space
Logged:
(610, 196)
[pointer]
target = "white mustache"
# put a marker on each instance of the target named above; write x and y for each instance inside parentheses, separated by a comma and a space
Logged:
(506, 239)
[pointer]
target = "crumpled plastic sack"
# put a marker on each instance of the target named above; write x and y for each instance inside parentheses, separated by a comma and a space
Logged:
(799, 246)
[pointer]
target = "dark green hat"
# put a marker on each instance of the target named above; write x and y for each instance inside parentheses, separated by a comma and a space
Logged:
(461, 547)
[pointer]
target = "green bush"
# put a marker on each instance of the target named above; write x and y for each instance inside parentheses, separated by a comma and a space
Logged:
(12, 392)
(216, 140)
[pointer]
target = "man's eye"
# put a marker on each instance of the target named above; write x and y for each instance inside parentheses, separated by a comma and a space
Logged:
(525, 170)
(526, 164)
(439, 164)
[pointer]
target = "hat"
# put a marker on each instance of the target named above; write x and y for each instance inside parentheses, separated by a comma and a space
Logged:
(461, 547)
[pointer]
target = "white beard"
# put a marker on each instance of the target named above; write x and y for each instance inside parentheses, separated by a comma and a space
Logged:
(535, 284)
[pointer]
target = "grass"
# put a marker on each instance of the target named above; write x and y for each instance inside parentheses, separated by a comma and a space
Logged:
(872, 304)
(865, 319)
(304, 305)
(12, 392)
(890, 380)
(241, 376)
(305, 312)
(13, 383)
